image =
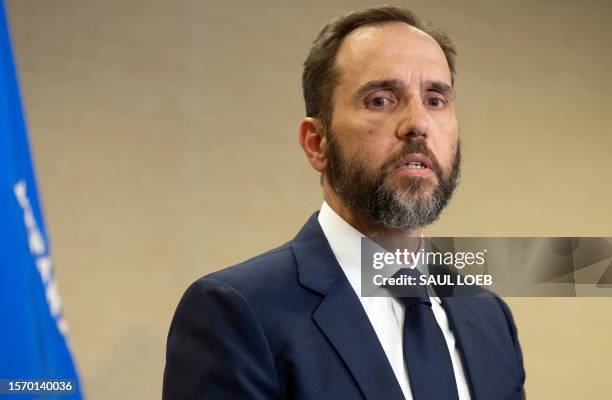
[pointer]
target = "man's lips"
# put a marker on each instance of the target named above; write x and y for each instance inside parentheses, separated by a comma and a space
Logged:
(414, 164)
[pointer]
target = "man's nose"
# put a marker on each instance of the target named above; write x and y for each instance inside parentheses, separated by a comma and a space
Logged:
(415, 123)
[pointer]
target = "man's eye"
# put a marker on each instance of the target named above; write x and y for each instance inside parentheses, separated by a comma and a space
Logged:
(378, 102)
(436, 102)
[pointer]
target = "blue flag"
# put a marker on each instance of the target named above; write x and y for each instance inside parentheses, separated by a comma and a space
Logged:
(33, 334)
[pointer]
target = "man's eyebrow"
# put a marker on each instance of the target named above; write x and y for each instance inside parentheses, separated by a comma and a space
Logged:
(440, 87)
(436, 86)
(378, 85)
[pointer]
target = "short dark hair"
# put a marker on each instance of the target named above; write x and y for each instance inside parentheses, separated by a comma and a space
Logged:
(320, 75)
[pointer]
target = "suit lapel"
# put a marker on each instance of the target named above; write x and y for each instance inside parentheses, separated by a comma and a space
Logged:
(341, 317)
(345, 324)
(477, 354)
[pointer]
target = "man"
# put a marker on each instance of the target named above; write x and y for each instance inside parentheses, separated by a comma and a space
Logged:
(291, 323)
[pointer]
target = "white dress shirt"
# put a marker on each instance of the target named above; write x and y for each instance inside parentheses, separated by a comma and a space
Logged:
(386, 314)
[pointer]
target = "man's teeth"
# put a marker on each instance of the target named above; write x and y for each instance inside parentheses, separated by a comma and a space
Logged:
(415, 165)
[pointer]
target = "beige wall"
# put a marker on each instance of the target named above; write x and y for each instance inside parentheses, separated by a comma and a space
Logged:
(165, 137)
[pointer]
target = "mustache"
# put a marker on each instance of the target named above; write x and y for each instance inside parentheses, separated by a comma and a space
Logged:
(411, 147)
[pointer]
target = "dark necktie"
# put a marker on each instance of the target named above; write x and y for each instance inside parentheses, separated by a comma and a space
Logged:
(428, 361)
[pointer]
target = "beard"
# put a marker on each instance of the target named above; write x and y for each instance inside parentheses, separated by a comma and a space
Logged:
(415, 202)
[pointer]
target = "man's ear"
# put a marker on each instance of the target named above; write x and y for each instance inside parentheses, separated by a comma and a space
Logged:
(314, 143)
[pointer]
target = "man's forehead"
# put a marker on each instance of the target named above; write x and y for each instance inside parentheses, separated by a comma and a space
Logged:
(392, 28)
(377, 45)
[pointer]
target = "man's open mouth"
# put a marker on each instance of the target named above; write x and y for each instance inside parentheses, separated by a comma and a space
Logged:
(415, 165)
(415, 161)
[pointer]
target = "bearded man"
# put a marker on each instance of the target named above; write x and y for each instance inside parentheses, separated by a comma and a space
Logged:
(291, 323)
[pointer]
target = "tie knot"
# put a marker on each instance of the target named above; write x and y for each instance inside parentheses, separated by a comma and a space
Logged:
(414, 301)
(408, 287)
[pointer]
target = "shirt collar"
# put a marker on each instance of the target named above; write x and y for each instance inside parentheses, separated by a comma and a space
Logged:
(345, 242)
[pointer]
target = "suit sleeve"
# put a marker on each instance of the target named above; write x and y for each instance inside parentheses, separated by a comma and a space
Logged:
(217, 349)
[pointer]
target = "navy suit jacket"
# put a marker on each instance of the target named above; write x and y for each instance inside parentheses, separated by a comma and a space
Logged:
(288, 325)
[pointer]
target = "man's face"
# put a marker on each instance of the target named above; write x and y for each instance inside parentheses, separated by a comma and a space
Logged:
(393, 145)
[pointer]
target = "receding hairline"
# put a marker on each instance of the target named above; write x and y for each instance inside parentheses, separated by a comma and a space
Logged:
(378, 25)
